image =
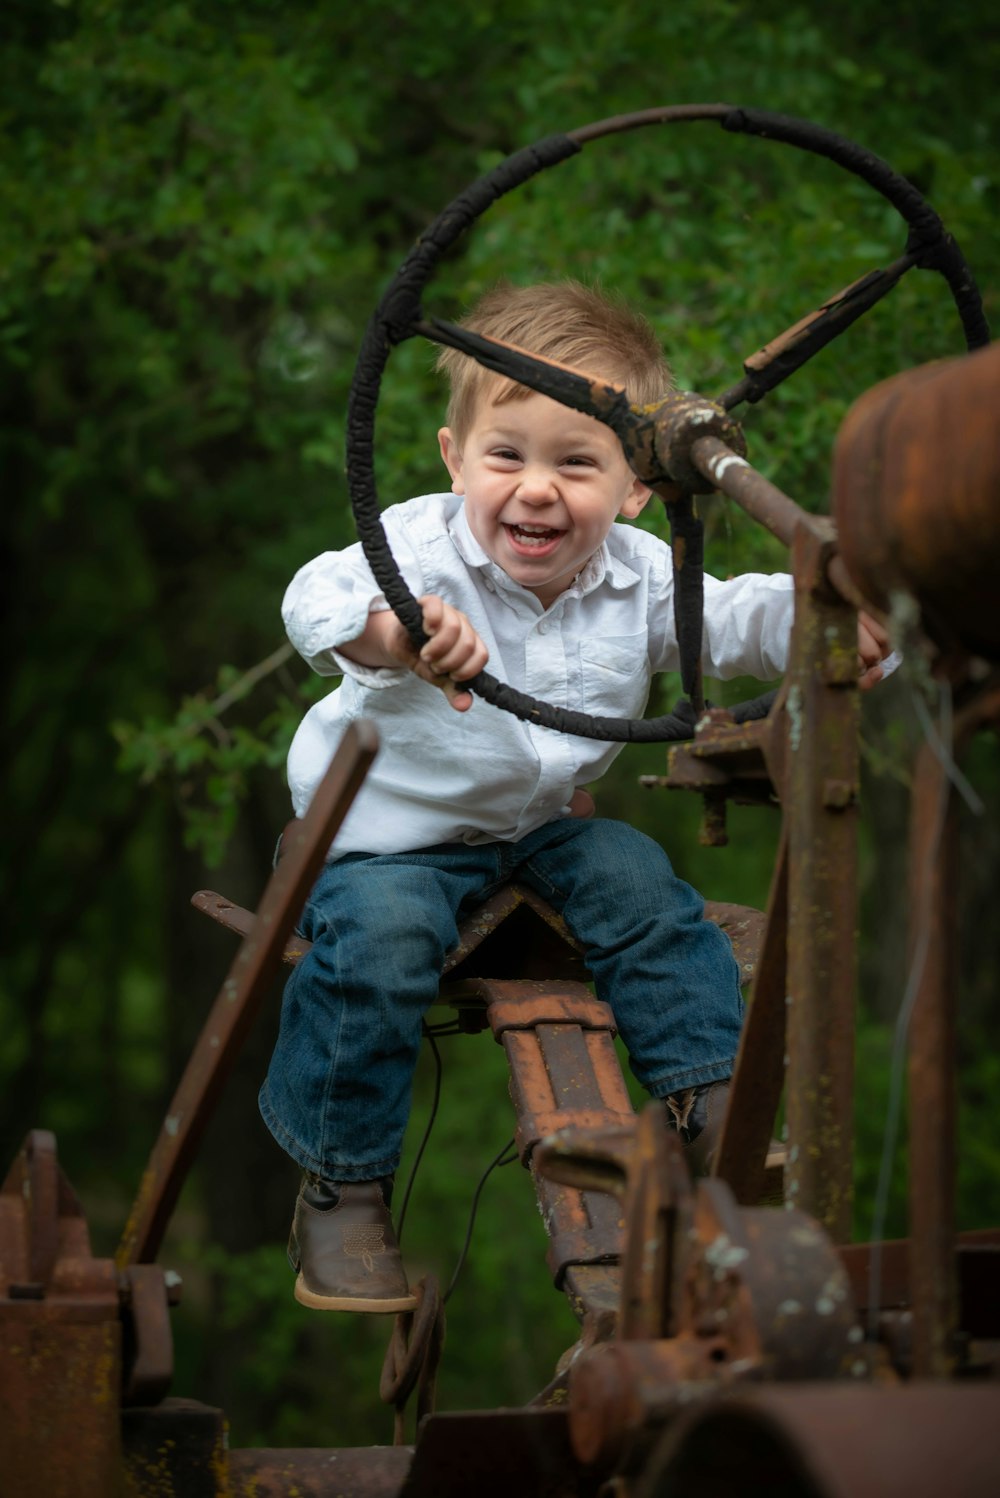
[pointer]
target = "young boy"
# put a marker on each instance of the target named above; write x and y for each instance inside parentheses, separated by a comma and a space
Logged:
(521, 565)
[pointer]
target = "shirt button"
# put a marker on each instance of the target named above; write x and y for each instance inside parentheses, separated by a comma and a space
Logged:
(543, 628)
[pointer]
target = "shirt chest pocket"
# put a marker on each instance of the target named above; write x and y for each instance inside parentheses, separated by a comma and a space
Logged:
(615, 674)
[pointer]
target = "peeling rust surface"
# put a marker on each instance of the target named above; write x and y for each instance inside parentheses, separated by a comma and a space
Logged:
(915, 478)
(835, 1441)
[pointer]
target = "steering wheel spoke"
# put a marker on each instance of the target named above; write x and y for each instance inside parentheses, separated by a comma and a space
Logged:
(650, 442)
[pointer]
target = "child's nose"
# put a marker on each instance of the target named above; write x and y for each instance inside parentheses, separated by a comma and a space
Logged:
(537, 485)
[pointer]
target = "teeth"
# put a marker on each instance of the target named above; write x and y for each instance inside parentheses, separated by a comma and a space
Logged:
(534, 534)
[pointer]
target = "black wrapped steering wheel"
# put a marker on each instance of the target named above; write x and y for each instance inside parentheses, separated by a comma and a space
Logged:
(399, 316)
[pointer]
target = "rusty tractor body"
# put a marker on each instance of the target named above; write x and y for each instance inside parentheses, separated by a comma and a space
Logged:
(726, 1345)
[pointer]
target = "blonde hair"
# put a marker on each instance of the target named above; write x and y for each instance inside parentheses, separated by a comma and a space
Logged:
(568, 322)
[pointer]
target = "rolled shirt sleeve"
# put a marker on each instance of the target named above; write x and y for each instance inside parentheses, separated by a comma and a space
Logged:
(748, 625)
(328, 601)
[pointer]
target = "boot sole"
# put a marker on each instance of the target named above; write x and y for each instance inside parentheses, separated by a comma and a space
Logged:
(371, 1305)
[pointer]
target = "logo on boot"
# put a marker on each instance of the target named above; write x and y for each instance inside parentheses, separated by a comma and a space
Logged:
(364, 1242)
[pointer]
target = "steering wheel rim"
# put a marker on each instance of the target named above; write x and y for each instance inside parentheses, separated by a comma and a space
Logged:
(929, 246)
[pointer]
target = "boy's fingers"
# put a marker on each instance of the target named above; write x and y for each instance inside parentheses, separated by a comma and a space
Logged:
(433, 609)
(873, 643)
(459, 697)
(873, 640)
(878, 631)
(444, 626)
(870, 678)
(453, 653)
(456, 650)
(467, 656)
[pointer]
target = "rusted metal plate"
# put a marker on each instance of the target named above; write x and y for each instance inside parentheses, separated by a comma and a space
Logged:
(60, 1376)
(176, 1449)
(497, 1453)
(149, 1342)
(917, 1441)
(348, 1472)
(41, 1220)
(61, 1353)
(520, 1005)
(932, 1042)
(77, 1336)
(976, 1259)
(564, 1075)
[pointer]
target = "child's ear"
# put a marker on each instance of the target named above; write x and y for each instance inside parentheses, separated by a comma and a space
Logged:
(452, 459)
(636, 500)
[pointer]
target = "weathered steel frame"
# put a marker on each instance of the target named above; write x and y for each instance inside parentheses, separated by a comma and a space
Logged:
(932, 1049)
(801, 1019)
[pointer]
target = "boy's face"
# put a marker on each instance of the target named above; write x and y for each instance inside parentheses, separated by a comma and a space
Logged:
(542, 485)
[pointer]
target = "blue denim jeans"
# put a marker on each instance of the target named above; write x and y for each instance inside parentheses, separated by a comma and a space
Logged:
(337, 1093)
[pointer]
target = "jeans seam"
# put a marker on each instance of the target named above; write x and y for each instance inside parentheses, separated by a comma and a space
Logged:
(553, 889)
(335, 1051)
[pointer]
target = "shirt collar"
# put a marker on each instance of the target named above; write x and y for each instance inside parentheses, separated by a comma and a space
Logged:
(603, 566)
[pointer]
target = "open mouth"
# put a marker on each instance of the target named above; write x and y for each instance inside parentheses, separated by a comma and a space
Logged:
(532, 537)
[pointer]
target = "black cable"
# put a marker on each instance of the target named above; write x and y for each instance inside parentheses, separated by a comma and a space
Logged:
(431, 1033)
(497, 1160)
(438, 1070)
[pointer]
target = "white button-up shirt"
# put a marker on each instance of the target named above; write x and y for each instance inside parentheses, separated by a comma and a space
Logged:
(484, 776)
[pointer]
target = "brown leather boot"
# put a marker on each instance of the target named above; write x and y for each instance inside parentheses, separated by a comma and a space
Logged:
(697, 1115)
(346, 1255)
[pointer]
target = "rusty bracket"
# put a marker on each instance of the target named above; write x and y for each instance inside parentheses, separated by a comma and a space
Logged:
(711, 1294)
(78, 1338)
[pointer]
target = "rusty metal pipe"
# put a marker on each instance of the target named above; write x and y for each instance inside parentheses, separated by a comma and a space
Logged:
(769, 506)
(755, 494)
(916, 484)
(834, 1442)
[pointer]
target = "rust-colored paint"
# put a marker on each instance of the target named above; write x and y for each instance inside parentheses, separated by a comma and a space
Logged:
(815, 1441)
(916, 483)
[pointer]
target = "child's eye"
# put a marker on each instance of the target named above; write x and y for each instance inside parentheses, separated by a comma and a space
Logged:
(507, 453)
(576, 461)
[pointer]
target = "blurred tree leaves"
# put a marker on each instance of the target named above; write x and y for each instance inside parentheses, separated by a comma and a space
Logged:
(201, 204)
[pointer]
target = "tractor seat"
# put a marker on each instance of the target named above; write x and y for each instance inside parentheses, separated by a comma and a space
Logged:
(535, 943)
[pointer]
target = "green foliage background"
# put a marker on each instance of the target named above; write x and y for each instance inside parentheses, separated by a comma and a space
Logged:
(201, 204)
